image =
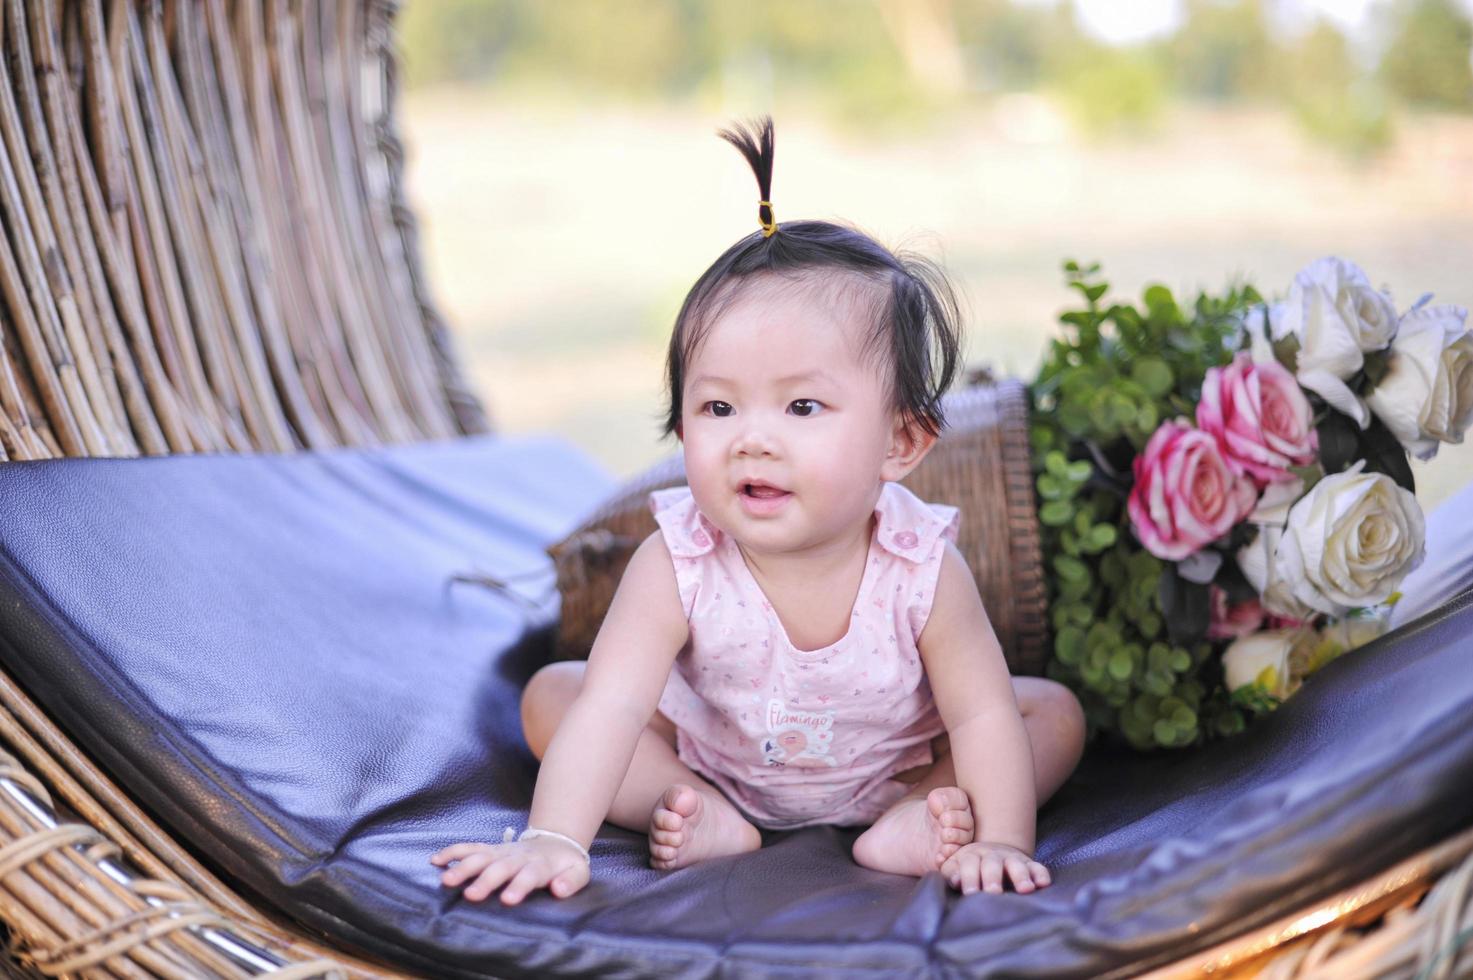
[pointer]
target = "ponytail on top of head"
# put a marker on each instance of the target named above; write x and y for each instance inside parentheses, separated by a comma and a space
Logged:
(754, 140)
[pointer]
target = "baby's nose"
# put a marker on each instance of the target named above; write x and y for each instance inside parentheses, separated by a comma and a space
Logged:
(755, 441)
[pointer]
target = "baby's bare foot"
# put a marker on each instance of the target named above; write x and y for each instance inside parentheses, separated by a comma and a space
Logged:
(917, 835)
(689, 825)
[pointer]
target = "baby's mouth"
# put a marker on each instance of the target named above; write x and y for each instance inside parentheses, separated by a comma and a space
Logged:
(762, 491)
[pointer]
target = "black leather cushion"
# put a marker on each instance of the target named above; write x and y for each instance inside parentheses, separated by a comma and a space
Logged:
(268, 653)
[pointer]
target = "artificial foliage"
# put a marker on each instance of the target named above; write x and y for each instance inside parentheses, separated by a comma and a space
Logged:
(1126, 629)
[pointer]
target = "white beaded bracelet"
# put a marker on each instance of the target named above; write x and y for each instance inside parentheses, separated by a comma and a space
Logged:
(510, 833)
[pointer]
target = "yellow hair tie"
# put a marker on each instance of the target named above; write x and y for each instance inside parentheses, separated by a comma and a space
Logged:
(769, 227)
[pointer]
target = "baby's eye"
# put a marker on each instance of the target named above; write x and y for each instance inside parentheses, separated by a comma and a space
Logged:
(719, 409)
(805, 407)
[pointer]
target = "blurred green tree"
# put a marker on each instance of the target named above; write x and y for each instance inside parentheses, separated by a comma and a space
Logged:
(1014, 47)
(1224, 52)
(1428, 60)
(1333, 98)
(458, 40)
(1114, 90)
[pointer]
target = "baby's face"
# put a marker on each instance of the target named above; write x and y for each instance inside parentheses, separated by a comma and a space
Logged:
(786, 426)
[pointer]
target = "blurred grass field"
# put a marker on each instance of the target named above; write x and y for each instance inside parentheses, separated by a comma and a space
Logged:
(561, 237)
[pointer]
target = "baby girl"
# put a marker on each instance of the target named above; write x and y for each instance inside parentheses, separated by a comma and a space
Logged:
(800, 642)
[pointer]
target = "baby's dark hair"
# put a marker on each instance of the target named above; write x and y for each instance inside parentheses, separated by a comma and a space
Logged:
(916, 319)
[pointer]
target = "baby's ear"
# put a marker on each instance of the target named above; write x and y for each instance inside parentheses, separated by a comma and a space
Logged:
(909, 444)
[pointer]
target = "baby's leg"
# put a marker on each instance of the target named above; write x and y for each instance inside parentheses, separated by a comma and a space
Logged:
(687, 818)
(925, 824)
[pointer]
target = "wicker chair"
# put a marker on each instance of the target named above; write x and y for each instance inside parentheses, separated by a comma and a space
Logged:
(206, 250)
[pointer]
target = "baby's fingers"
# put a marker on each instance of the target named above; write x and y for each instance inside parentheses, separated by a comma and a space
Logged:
(455, 852)
(493, 878)
(962, 871)
(1041, 876)
(1019, 872)
(467, 868)
(992, 871)
(531, 876)
(569, 881)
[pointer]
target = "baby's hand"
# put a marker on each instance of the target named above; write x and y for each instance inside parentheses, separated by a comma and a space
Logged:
(982, 863)
(540, 862)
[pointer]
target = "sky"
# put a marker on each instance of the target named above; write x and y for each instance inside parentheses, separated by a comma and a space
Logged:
(1126, 21)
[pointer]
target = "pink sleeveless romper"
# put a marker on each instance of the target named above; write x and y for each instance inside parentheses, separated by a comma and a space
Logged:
(796, 737)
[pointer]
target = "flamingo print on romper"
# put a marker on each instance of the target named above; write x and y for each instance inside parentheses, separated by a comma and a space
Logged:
(798, 738)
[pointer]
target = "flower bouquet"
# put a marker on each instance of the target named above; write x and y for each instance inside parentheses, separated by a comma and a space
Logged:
(1225, 491)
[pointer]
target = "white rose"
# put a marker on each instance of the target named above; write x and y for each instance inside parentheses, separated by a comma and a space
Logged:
(1427, 393)
(1337, 316)
(1256, 560)
(1350, 541)
(1260, 659)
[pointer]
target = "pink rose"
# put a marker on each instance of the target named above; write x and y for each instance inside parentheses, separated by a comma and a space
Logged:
(1260, 417)
(1185, 494)
(1231, 620)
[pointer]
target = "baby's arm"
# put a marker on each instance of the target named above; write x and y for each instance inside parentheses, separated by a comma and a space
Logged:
(989, 745)
(589, 754)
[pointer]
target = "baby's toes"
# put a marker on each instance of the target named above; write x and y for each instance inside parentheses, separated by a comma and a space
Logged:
(681, 800)
(947, 799)
(674, 838)
(666, 819)
(956, 835)
(961, 819)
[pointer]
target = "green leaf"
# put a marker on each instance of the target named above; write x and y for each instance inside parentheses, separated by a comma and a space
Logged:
(1120, 665)
(1070, 569)
(1160, 304)
(1064, 614)
(1074, 419)
(1102, 637)
(1157, 683)
(1154, 375)
(1050, 487)
(1150, 624)
(1075, 590)
(1056, 513)
(1147, 418)
(1230, 723)
(1286, 352)
(1069, 644)
(1122, 408)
